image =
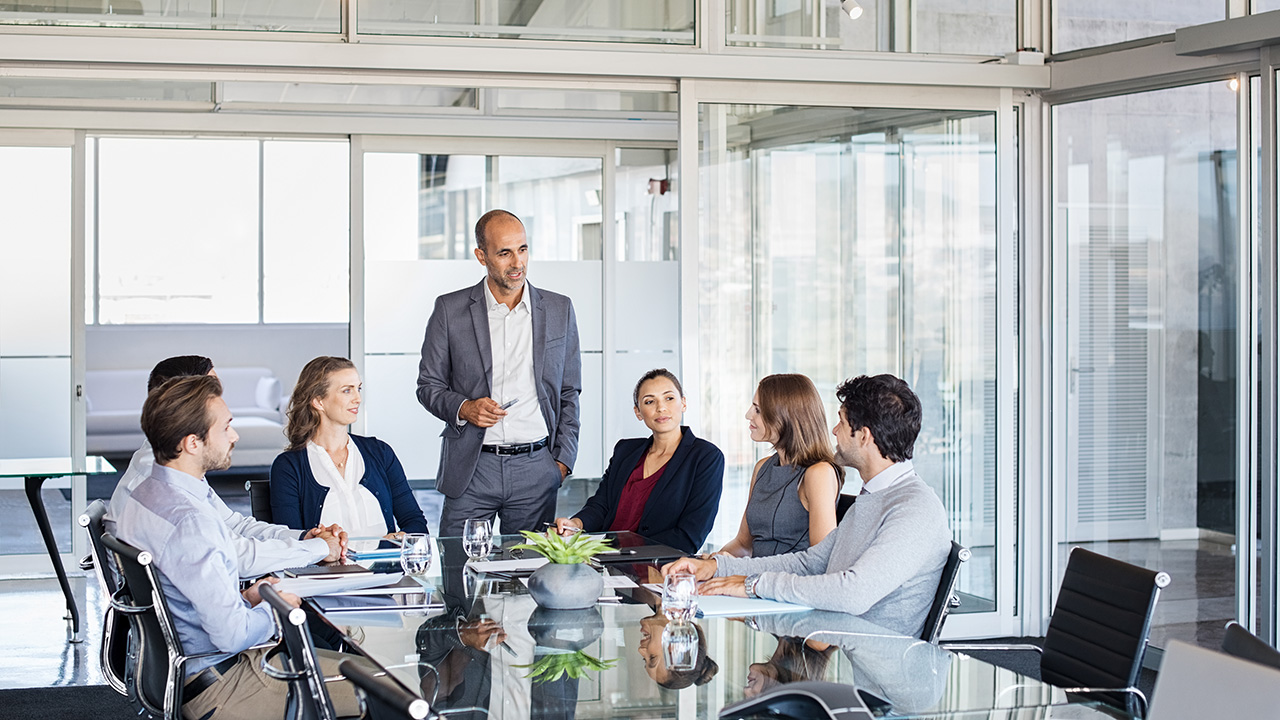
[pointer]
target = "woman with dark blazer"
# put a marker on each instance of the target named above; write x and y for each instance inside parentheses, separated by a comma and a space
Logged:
(665, 487)
(327, 475)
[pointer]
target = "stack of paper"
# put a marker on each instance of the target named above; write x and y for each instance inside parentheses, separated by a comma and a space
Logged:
(309, 587)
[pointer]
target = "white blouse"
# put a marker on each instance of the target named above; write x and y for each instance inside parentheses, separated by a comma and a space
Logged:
(348, 503)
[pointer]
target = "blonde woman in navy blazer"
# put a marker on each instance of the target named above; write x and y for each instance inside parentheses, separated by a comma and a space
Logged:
(665, 487)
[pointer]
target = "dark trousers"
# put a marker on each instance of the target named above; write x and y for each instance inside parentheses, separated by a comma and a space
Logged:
(520, 490)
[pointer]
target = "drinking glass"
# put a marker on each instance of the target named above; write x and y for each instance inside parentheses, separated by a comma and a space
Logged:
(680, 645)
(477, 538)
(680, 596)
(415, 553)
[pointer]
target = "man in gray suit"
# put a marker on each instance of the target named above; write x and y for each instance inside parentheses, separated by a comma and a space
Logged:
(501, 367)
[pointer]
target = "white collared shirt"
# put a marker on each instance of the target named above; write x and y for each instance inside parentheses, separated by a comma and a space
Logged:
(349, 504)
(889, 477)
(511, 344)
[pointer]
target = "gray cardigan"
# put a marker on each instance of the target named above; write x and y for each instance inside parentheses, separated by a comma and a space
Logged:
(883, 561)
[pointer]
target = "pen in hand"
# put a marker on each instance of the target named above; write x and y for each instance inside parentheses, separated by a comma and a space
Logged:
(509, 403)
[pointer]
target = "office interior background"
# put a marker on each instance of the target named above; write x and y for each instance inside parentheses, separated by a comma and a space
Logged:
(1072, 261)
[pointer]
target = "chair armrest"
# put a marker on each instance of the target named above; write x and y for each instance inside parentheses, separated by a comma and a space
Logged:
(121, 605)
(979, 647)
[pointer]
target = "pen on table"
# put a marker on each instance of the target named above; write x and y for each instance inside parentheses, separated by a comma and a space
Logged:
(509, 403)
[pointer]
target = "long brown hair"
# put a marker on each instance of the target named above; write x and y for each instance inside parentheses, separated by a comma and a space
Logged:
(313, 382)
(792, 409)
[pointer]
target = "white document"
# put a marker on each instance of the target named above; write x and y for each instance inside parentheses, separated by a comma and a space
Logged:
(723, 605)
(309, 587)
(501, 566)
(409, 584)
(615, 582)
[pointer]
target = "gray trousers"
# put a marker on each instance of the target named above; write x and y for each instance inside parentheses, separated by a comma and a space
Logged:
(519, 489)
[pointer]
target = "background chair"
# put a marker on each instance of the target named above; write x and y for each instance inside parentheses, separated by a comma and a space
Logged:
(115, 626)
(1243, 644)
(843, 503)
(382, 697)
(308, 697)
(260, 499)
(945, 598)
(1098, 631)
(154, 684)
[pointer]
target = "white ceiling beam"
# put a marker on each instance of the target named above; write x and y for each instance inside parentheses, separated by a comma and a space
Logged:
(1140, 68)
(454, 63)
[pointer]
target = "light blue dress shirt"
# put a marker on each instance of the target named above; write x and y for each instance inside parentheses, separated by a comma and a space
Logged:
(174, 516)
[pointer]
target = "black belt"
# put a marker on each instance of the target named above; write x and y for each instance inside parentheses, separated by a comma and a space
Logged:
(206, 678)
(515, 449)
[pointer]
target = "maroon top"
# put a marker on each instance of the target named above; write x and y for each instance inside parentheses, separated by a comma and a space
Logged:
(634, 496)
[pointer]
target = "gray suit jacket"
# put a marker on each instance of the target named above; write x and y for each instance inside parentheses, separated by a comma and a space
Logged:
(457, 365)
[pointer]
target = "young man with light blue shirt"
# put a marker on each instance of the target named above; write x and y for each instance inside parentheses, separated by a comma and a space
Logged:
(261, 547)
(885, 558)
(173, 515)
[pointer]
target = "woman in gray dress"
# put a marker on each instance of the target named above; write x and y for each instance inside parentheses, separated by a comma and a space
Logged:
(792, 503)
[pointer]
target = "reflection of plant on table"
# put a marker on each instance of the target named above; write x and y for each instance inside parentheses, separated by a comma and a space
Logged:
(578, 549)
(557, 665)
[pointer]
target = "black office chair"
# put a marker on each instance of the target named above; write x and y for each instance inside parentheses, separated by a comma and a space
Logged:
(945, 598)
(308, 697)
(843, 503)
(382, 698)
(1098, 631)
(114, 655)
(260, 499)
(1245, 645)
(154, 684)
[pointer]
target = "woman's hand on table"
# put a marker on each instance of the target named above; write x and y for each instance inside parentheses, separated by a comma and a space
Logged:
(731, 585)
(701, 569)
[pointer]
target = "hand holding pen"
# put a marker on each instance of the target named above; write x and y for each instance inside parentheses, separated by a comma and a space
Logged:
(484, 412)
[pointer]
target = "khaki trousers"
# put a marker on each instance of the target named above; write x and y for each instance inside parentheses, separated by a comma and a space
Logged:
(245, 692)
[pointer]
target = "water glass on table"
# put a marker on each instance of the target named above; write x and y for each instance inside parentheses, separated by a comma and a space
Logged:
(680, 596)
(477, 538)
(680, 645)
(415, 553)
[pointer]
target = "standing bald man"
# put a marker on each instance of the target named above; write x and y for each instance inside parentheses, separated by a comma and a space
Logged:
(501, 366)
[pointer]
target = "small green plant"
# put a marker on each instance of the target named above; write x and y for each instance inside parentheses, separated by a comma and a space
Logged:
(557, 665)
(577, 549)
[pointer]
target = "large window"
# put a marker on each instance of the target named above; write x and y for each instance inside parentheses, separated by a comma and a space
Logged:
(1147, 202)
(1087, 23)
(201, 230)
(838, 242)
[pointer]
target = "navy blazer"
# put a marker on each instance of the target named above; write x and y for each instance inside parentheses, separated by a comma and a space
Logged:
(683, 505)
(296, 497)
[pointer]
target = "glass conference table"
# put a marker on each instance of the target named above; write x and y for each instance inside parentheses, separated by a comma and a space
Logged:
(482, 643)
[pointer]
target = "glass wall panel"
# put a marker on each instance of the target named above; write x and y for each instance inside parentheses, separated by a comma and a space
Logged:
(639, 21)
(305, 241)
(838, 242)
(1260, 6)
(1089, 23)
(35, 334)
(419, 214)
(978, 27)
(577, 101)
(280, 15)
(1146, 200)
(94, 93)
(160, 200)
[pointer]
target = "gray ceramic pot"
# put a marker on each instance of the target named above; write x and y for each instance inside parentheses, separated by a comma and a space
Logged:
(566, 587)
(565, 629)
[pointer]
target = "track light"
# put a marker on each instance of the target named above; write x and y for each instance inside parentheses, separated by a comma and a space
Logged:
(852, 8)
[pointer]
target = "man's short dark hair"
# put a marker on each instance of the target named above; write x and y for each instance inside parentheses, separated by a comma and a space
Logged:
(482, 225)
(886, 406)
(176, 409)
(180, 366)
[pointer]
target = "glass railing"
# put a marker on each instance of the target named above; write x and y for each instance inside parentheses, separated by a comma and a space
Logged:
(312, 16)
(637, 21)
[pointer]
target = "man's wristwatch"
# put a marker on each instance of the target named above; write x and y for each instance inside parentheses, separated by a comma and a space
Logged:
(750, 584)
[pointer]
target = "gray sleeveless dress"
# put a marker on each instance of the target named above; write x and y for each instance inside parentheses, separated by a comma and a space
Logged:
(777, 520)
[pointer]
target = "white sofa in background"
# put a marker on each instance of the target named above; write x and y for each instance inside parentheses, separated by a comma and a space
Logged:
(113, 402)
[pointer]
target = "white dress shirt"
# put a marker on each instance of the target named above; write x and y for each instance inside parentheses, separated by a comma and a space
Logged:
(260, 547)
(348, 503)
(889, 477)
(511, 343)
